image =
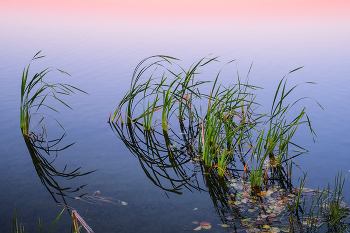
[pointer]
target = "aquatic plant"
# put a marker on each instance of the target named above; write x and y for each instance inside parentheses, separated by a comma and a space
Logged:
(20, 228)
(222, 134)
(179, 90)
(76, 217)
(35, 92)
(326, 209)
(225, 123)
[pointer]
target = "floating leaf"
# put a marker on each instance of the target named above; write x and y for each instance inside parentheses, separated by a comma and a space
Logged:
(273, 220)
(275, 229)
(206, 227)
(195, 208)
(259, 222)
(245, 195)
(205, 224)
(269, 192)
(224, 225)
(244, 223)
(124, 203)
(197, 228)
(266, 227)
(246, 220)
(194, 222)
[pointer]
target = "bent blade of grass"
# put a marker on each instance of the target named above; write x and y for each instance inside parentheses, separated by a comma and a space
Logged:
(28, 101)
(54, 223)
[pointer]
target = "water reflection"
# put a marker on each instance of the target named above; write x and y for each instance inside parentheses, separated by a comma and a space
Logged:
(40, 149)
(164, 159)
(172, 162)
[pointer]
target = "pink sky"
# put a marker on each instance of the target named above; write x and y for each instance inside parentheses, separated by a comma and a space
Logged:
(182, 9)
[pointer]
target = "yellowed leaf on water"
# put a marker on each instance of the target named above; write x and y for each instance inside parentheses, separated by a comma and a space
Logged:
(244, 200)
(206, 227)
(268, 193)
(266, 227)
(225, 225)
(197, 228)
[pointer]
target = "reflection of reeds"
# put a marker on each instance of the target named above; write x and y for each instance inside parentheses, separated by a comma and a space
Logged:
(35, 91)
(46, 171)
(163, 163)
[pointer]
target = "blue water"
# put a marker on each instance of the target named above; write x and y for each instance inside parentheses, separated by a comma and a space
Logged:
(101, 57)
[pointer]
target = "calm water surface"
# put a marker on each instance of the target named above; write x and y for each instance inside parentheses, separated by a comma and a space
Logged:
(100, 51)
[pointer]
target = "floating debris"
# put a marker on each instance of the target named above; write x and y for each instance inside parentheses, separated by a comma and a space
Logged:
(100, 200)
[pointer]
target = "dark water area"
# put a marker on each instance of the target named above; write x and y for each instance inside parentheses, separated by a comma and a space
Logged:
(101, 55)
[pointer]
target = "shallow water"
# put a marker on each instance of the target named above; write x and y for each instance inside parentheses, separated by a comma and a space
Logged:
(100, 49)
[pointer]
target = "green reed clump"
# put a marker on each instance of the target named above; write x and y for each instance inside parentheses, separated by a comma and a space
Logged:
(320, 210)
(225, 118)
(276, 133)
(226, 123)
(327, 210)
(35, 92)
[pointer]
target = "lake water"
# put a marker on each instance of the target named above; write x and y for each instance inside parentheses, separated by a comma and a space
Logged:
(100, 43)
